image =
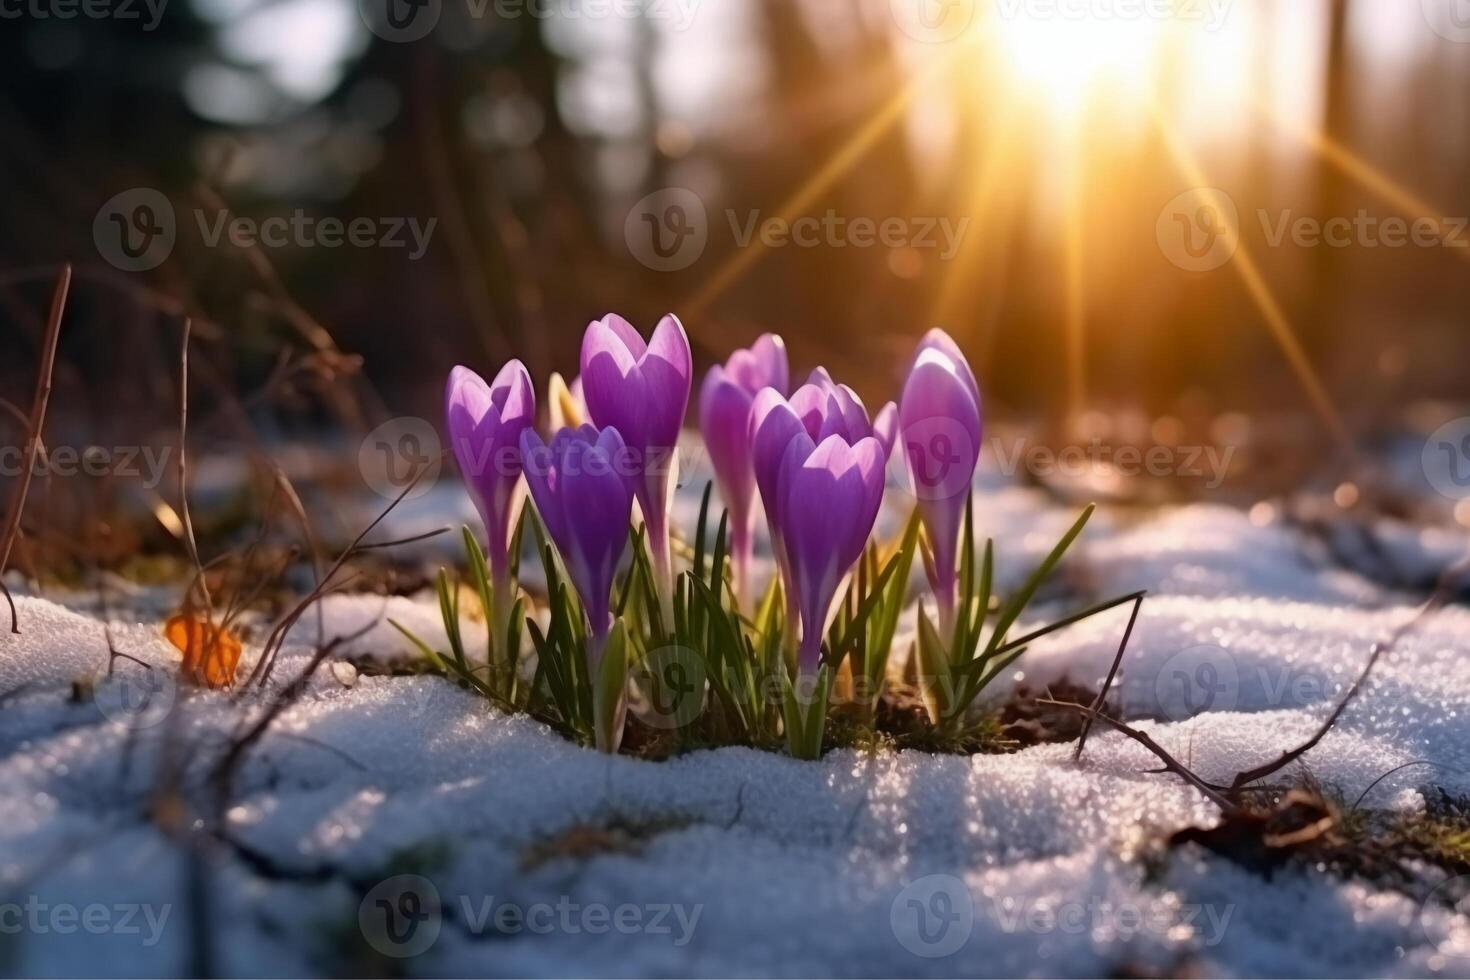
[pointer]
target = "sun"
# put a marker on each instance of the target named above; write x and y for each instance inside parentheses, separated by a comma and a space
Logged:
(1068, 60)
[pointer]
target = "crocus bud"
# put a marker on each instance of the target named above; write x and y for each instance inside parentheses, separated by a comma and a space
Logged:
(826, 407)
(940, 417)
(829, 497)
(585, 499)
(725, 403)
(642, 390)
(818, 409)
(485, 425)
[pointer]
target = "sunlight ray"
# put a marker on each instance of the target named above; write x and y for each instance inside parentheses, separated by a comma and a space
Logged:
(1255, 283)
(960, 278)
(1076, 285)
(843, 160)
(1405, 201)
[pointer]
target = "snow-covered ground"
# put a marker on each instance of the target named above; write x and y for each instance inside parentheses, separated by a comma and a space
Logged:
(736, 862)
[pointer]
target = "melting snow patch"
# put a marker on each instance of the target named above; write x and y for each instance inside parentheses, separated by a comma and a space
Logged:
(731, 861)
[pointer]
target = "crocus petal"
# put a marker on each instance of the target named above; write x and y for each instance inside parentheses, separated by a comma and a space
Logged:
(773, 425)
(742, 368)
(813, 405)
(541, 479)
(724, 421)
(514, 394)
(937, 339)
(769, 351)
(830, 496)
(841, 409)
(627, 333)
(612, 383)
(885, 427)
(854, 413)
(668, 372)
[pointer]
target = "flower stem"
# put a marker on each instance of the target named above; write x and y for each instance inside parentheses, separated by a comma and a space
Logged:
(944, 600)
(654, 503)
(740, 551)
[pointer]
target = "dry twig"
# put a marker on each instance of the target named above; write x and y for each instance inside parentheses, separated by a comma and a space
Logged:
(35, 424)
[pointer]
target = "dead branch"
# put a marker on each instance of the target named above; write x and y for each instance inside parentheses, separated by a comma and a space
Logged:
(1435, 603)
(224, 774)
(277, 638)
(1102, 695)
(190, 543)
(35, 424)
(1170, 763)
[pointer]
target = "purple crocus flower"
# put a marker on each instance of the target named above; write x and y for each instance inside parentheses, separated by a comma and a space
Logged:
(642, 390)
(829, 495)
(585, 499)
(816, 413)
(725, 402)
(940, 416)
(818, 409)
(826, 407)
(485, 425)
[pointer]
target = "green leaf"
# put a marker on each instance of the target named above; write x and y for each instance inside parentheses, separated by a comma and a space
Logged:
(513, 632)
(793, 717)
(859, 620)
(525, 517)
(936, 683)
(1018, 602)
(449, 610)
(481, 577)
(700, 527)
(881, 637)
(428, 652)
(609, 707)
(630, 584)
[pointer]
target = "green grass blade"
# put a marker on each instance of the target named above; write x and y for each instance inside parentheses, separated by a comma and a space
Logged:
(1018, 602)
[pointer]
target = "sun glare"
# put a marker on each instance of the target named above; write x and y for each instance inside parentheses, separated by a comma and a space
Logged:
(1068, 60)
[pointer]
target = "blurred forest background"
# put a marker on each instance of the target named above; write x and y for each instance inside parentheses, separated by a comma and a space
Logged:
(529, 131)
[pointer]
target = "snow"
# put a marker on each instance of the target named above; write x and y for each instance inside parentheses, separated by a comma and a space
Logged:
(736, 862)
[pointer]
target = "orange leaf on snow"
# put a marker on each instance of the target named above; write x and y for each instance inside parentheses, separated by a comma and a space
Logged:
(210, 651)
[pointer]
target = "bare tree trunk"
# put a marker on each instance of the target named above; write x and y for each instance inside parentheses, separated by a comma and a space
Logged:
(1332, 191)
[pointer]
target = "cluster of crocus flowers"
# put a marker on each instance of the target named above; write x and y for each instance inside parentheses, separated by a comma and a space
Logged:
(585, 480)
(815, 458)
